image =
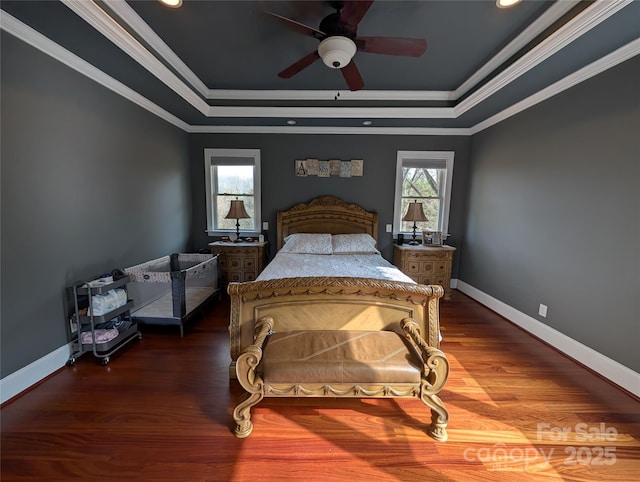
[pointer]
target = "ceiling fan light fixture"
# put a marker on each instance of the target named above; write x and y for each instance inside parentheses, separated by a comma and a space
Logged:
(337, 51)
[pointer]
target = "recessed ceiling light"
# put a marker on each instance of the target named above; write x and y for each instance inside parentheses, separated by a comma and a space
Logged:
(506, 3)
(291, 122)
(172, 3)
(367, 123)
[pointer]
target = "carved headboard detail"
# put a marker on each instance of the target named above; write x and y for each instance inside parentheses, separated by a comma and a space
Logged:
(326, 214)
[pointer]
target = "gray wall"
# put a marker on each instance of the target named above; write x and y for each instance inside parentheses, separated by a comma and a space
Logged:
(375, 191)
(90, 182)
(554, 213)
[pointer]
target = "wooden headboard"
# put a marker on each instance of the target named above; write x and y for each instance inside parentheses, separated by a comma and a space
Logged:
(326, 214)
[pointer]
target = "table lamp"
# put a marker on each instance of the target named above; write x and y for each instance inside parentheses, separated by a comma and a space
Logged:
(237, 212)
(414, 213)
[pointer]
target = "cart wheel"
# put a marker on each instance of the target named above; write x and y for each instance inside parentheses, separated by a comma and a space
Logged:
(71, 361)
(105, 360)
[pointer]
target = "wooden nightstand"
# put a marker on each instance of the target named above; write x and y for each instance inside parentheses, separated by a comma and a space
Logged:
(429, 265)
(240, 261)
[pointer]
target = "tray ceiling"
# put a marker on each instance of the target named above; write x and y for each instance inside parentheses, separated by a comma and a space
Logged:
(211, 66)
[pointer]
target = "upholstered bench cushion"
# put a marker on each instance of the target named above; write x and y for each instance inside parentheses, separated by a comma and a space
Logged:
(339, 356)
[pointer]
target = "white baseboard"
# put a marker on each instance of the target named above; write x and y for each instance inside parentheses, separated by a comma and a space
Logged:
(608, 368)
(19, 381)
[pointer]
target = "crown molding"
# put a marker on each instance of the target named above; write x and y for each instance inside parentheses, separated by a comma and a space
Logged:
(359, 95)
(315, 130)
(334, 112)
(605, 63)
(112, 30)
(582, 23)
(30, 36)
(551, 15)
(142, 29)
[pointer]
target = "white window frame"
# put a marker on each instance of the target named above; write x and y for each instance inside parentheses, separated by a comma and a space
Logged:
(429, 158)
(243, 157)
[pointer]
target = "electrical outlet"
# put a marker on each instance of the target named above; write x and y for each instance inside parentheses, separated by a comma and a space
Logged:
(542, 311)
(265, 226)
(388, 228)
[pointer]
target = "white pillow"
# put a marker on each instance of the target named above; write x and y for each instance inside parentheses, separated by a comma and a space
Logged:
(308, 243)
(353, 244)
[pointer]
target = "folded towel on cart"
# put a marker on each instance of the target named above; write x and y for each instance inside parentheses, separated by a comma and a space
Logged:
(101, 335)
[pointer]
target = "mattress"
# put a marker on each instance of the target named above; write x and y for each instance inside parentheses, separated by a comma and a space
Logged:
(293, 265)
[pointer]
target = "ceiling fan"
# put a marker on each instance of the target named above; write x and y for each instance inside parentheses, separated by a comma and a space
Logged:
(339, 42)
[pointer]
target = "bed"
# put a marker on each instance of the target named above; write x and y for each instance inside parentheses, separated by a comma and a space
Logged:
(330, 317)
(305, 295)
(168, 290)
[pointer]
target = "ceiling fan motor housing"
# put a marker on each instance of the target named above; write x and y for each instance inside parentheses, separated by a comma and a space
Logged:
(337, 51)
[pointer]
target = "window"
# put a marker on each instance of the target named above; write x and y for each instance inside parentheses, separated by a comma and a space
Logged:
(423, 176)
(232, 174)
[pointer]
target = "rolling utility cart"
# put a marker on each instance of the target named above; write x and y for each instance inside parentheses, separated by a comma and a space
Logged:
(102, 318)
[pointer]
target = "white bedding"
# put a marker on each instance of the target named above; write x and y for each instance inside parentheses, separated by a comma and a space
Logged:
(289, 265)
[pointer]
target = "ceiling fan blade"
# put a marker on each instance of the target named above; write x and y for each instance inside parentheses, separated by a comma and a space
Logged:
(353, 11)
(297, 26)
(301, 64)
(352, 75)
(408, 47)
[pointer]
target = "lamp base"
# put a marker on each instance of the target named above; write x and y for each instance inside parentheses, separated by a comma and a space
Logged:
(414, 242)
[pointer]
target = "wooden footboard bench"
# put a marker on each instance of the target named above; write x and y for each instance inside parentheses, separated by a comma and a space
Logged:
(341, 363)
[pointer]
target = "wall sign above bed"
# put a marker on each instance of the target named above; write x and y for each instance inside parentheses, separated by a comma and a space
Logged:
(332, 167)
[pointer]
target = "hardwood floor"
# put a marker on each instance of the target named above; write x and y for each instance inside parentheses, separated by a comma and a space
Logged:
(161, 410)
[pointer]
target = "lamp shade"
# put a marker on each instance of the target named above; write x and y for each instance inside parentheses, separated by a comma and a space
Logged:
(415, 212)
(237, 210)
